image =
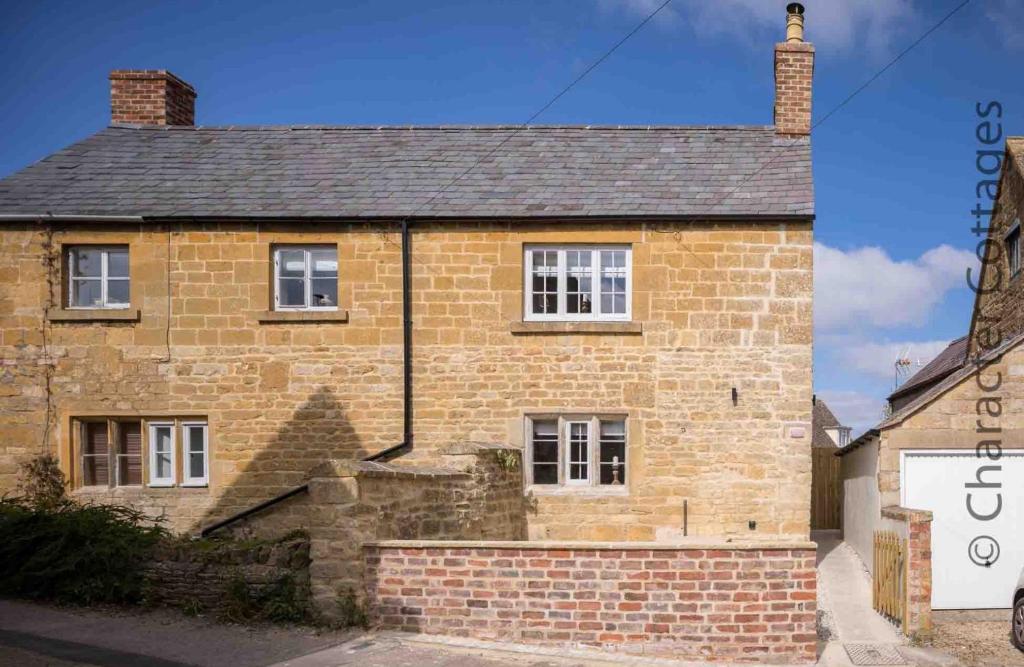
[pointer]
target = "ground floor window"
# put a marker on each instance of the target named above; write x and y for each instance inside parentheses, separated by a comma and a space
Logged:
(124, 452)
(576, 450)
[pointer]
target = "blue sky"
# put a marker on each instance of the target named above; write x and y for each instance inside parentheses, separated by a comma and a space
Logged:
(894, 169)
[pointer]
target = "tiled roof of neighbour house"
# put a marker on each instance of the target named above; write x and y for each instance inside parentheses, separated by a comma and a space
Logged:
(821, 419)
(311, 171)
(946, 362)
(953, 379)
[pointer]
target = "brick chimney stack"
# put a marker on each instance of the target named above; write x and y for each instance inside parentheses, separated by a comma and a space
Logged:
(151, 97)
(794, 72)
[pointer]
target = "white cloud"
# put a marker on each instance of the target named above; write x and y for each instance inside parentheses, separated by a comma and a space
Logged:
(833, 25)
(867, 287)
(1008, 17)
(854, 409)
(877, 359)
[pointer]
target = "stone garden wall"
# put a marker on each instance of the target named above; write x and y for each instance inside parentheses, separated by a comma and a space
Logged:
(198, 576)
(476, 495)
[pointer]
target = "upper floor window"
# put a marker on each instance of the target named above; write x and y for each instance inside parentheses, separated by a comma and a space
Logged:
(1013, 248)
(306, 277)
(578, 282)
(98, 277)
(576, 451)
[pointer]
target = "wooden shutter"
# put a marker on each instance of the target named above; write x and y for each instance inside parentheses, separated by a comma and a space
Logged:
(95, 455)
(129, 455)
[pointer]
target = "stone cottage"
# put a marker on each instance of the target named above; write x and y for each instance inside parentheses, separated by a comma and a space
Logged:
(564, 334)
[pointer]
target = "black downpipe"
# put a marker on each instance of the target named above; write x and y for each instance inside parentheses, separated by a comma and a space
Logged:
(406, 444)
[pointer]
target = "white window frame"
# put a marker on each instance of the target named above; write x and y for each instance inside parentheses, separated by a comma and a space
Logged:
(103, 279)
(151, 445)
(307, 279)
(1013, 260)
(562, 315)
(567, 448)
(186, 468)
(564, 422)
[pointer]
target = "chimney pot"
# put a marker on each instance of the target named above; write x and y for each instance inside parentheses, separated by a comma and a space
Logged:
(794, 22)
(151, 97)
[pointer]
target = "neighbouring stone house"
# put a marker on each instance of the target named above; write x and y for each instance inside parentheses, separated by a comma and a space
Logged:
(581, 340)
(826, 430)
(951, 443)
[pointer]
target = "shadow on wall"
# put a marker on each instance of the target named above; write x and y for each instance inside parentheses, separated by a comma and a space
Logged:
(317, 431)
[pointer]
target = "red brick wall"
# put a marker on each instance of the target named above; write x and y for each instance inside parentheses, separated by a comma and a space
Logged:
(919, 568)
(794, 74)
(151, 97)
(734, 604)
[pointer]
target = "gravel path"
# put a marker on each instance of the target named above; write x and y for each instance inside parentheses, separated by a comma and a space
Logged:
(978, 643)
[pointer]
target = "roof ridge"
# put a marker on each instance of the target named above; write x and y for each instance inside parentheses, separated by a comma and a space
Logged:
(482, 128)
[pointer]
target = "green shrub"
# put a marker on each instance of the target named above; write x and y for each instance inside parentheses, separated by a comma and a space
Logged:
(42, 482)
(59, 550)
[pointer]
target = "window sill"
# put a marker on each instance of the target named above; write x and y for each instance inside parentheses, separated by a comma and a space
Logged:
(94, 315)
(577, 491)
(621, 328)
(300, 316)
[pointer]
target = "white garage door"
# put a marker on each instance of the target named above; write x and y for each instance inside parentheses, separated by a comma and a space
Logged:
(975, 559)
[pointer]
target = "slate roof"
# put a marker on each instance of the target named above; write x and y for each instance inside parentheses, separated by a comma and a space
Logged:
(312, 171)
(963, 372)
(946, 362)
(821, 419)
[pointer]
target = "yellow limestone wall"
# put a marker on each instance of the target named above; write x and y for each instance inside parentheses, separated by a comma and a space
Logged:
(721, 306)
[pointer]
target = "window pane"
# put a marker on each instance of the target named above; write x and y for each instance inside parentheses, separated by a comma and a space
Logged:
(95, 471)
(86, 293)
(545, 281)
(117, 291)
(613, 452)
(579, 436)
(579, 281)
(162, 447)
(95, 461)
(129, 454)
(613, 282)
(324, 292)
(195, 438)
(195, 453)
(86, 262)
(324, 262)
(117, 263)
(545, 452)
(292, 263)
(195, 465)
(545, 473)
(95, 438)
(292, 292)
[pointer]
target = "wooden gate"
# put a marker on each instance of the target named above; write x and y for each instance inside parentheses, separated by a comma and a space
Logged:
(889, 580)
(825, 497)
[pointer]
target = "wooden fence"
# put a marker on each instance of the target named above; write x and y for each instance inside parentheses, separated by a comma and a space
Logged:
(889, 580)
(826, 502)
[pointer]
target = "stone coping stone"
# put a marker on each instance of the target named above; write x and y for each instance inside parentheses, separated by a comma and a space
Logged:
(696, 543)
(353, 468)
(474, 447)
(906, 514)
